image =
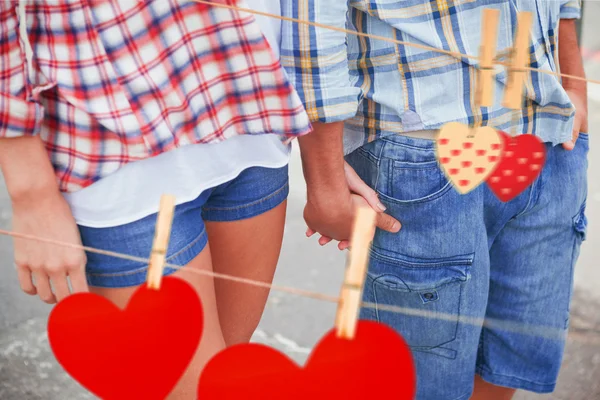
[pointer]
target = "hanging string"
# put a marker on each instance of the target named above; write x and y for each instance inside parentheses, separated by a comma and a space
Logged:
(386, 39)
(509, 326)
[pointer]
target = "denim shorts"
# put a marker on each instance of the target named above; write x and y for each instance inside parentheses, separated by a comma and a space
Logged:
(255, 191)
(460, 260)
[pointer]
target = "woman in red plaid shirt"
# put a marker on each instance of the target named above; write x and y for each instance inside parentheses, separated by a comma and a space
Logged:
(106, 105)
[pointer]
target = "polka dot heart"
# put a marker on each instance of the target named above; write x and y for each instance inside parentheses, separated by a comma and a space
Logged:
(468, 156)
(522, 162)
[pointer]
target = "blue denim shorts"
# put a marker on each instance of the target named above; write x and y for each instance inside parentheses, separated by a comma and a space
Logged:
(254, 192)
(460, 260)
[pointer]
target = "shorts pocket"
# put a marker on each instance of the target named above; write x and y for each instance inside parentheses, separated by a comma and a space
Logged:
(409, 171)
(410, 181)
(428, 293)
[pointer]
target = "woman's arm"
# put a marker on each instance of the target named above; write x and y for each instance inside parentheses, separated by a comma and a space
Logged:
(40, 209)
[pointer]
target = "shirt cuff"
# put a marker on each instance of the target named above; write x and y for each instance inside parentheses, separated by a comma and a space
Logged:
(332, 106)
(325, 90)
(570, 10)
(19, 117)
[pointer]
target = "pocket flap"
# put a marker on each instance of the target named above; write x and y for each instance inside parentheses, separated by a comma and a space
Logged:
(580, 222)
(413, 274)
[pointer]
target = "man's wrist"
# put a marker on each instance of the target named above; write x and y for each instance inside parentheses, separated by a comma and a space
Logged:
(323, 156)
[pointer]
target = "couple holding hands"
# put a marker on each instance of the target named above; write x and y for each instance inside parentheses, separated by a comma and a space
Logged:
(106, 105)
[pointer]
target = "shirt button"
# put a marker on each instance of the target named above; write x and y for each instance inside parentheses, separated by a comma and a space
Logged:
(428, 296)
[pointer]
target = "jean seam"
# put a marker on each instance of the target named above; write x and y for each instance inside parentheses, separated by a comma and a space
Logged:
(424, 165)
(571, 275)
(259, 201)
(367, 155)
(377, 175)
(438, 264)
(482, 352)
(432, 197)
(409, 146)
(488, 371)
(389, 184)
(142, 269)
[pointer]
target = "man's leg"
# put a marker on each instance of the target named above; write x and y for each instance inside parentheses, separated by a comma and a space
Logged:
(533, 251)
(436, 267)
(487, 391)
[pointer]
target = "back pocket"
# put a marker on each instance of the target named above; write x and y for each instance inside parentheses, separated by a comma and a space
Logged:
(415, 181)
(428, 293)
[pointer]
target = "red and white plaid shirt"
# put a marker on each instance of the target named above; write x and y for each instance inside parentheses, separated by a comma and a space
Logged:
(107, 82)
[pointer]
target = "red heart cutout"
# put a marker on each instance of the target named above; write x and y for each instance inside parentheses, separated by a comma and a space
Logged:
(136, 353)
(514, 174)
(377, 364)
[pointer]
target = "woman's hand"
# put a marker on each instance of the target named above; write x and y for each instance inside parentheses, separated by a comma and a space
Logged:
(334, 220)
(43, 268)
(39, 209)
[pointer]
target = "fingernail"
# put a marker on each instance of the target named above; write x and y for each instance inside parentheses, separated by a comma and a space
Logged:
(381, 207)
(397, 226)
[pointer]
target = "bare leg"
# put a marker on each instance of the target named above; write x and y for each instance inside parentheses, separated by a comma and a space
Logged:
(212, 339)
(249, 249)
(486, 391)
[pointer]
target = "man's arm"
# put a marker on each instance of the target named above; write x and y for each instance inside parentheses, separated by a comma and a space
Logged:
(571, 63)
(329, 205)
(317, 64)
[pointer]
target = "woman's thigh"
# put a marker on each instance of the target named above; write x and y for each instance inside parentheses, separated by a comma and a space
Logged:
(245, 222)
(251, 253)
(117, 279)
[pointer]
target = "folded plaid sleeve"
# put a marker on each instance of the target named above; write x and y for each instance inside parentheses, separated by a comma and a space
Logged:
(18, 116)
(570, 9)
(316, 59)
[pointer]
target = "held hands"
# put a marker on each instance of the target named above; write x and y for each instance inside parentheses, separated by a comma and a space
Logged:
(330, 211)
(42, 267)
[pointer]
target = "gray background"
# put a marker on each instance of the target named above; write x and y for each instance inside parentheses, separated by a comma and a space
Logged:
(294, 324)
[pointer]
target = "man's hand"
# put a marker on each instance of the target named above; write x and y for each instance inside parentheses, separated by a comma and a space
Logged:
(581, 117)
(333, 188)
(571, 63)
(337, 224)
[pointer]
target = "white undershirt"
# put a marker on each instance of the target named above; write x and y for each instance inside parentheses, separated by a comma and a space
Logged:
(134, 191)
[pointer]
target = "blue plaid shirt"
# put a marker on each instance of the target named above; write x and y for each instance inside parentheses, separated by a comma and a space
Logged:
(381, 88)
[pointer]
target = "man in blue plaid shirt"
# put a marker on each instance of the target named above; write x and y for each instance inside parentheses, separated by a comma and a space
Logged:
(466, 257)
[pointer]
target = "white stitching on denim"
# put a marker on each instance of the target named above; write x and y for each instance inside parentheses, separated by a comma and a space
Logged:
(249, 204)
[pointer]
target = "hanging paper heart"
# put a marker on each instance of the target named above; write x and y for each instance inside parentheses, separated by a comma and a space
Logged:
(522, 162)
(468, 155)
(376, 364)
(136, 353)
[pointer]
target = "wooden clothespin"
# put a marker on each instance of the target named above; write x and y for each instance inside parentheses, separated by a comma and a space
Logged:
(160, 245)
(356, 271)
(513, 96)
(487, 52)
